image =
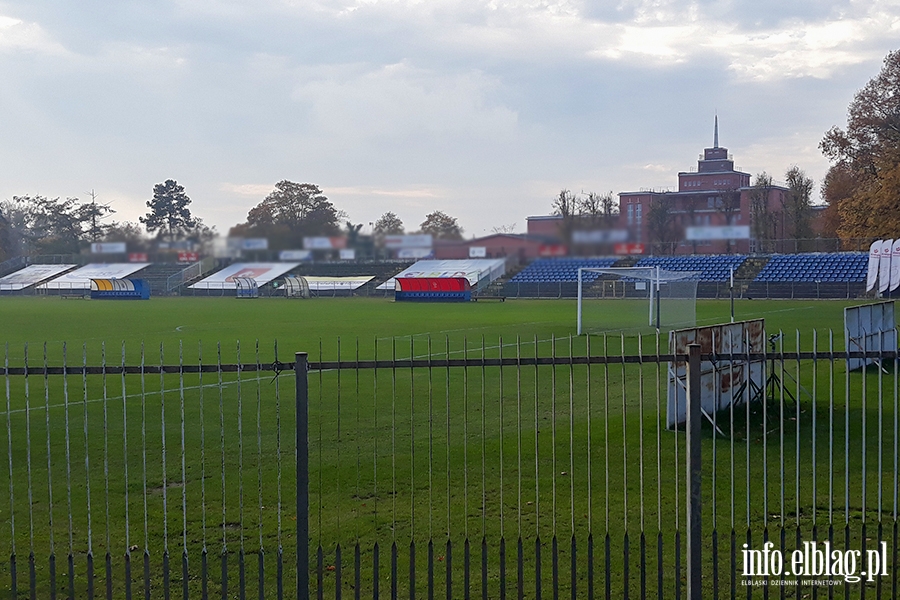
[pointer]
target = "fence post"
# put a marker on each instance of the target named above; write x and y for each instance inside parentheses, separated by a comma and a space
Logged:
(300, 374)
(694, 469)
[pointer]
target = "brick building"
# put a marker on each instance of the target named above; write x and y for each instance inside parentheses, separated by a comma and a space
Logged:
(713, 195)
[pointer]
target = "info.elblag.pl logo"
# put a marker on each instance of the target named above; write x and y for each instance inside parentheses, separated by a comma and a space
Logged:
(816, 559)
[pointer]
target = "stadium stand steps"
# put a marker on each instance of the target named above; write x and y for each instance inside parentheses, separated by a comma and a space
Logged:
(382, 270)
(627, 261)
(492, 290)
(157, 276)
(751, 268)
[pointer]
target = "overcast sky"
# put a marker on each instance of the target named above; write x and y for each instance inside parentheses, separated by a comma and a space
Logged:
(481, 109)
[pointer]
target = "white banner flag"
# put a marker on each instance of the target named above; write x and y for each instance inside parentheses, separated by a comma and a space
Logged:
(895, 265)
(874, 256)
(884, 266)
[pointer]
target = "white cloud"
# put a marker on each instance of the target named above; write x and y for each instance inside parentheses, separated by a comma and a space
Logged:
(400, 101)
(487, 107)
(396, 193)
(18, 36)
(257, 190)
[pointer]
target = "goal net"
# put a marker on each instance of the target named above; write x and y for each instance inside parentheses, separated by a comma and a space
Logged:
(635, 299)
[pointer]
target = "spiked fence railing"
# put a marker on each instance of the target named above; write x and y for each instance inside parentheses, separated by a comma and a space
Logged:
(513, 468)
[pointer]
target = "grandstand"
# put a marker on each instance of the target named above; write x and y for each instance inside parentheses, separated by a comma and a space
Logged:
(79, 280)
(810, 275)
(841, 267)
(819, 275)
(31, 275)
(709, 267)
(548, 270)
(555, 277)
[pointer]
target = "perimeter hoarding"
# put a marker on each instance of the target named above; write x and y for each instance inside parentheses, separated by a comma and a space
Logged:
(263, 273)
(80, 279)
(332, 284)
(728, 381)
(869, 328)
(31, 275)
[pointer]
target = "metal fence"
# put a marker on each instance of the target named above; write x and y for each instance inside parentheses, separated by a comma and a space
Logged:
(705, 289)
(492, 469)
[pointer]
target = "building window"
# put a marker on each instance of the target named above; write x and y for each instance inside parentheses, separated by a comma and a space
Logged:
(638, 213)
(630, 214)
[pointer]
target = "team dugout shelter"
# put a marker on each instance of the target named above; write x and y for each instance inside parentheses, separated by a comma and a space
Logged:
(120, 289)
(432, 289)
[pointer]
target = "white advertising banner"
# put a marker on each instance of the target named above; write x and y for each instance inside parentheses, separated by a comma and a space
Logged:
(348, 254)
(884, 266)
(31, 275)
(324, 243)
(414, 252)
(395, 242)
(869, 328)
(80, 279)
(874, 263)
(330, 284)
(722, 383)
(895, 265)
(713, 232)
(599, 236)
(255, 244)
(263, 273)
(477, 251)
(108, 248)
(294, 255)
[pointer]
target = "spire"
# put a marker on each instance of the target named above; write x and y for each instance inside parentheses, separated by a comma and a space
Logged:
(716, 139)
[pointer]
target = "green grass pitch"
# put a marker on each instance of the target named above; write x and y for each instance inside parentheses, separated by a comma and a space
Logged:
(395, 456)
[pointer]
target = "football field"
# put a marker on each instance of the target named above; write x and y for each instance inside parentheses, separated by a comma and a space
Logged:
(187, 462)
(304, 325)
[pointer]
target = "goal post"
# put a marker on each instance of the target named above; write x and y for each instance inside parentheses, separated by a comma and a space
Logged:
(666, 298)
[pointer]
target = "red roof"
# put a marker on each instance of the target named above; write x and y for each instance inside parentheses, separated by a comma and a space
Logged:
(433, 284)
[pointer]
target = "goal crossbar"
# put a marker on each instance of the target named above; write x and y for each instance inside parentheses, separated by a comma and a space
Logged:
(655, 276)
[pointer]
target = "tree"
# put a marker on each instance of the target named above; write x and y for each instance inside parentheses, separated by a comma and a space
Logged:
(660, 228)
(124, 231)
(867, 157)
(565, 205)
(8, 240)
(509, 228)
(762, 219)
(290, 212)
(596, 210)
(797, 209)
(46, 225)
(729, 205)
(441, 226)
(92, 213)
(388, 224)
(169, 214)
(839, 184)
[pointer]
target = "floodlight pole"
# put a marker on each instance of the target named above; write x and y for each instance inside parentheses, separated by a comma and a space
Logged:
(657, 298)
(652, 299)
(580, 271)
(731, 291)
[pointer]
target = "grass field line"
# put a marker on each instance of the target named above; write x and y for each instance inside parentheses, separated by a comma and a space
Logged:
(457, 330)
(251, 380)
(81, 401)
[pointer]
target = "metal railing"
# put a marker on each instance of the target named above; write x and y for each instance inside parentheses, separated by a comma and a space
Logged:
(522, 468)
(176, 280)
